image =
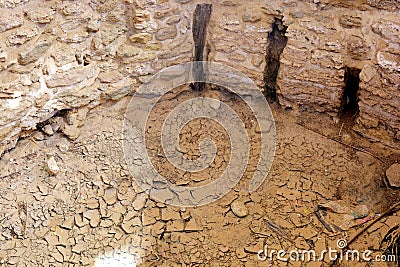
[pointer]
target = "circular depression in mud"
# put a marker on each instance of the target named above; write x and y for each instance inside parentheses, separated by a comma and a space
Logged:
(196, 132)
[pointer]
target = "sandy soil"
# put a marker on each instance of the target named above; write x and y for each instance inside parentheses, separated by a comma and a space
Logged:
(93, 210)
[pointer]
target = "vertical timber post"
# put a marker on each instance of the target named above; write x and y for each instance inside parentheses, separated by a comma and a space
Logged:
(201, 18)
(276, 43)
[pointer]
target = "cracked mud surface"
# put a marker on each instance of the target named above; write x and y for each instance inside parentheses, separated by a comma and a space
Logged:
(93, 208)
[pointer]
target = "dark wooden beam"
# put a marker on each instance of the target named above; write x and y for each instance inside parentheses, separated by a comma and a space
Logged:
(201, 18)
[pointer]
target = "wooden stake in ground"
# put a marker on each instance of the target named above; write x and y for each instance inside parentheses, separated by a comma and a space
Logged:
(201, 18)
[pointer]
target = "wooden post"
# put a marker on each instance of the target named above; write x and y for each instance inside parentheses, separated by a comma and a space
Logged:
(201, 18)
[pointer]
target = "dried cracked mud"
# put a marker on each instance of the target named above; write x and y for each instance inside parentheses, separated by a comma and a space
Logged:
(91, 210)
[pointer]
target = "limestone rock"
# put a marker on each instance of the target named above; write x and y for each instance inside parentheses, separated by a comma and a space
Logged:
(76, 36)
(3, 56)
(47, 129)
(73, 9)
(34, 53)
(109, 32)
(257, 61)
(141, 38)
(4, 131)
(251, 18)
(166, 33)
(62, 54)
(119, 89)
(269, 10)
(141, 16)
(67, 78)
(393, 175)
(127, 50)
(387, 29)
(19, 107)
(52, 167)
(357, 48)
(164, 12)
(173, 19)
(393, 5)
(71, 131)
(9, 20)
(40, 15)
(397, 136)
(348, 21)
(239, 209)
(93, 25)
(368, 73)
(22, 35)
(145, 56)
(389, 60)
(110, 77)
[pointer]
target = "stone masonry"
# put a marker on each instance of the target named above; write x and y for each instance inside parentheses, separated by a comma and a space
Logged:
(57, 55)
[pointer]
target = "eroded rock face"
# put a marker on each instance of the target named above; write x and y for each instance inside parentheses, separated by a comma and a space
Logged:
(71, 55)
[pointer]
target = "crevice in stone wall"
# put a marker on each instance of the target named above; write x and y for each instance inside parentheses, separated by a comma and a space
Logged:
(349, 105)
(276, 43)
(60, 113)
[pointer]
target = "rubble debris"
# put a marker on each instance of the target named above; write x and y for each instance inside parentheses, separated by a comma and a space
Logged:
(52, 167)
(340, 217)
(393, 175)
(239, 209)
(47, 129)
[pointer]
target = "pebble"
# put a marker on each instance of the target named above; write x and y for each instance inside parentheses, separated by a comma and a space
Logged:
(47, 129)
(239, 209)
(393, 175)
(71, 131)
(52, 167)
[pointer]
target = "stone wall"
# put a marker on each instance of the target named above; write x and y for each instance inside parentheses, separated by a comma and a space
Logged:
(325, 39)
(57, 55)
